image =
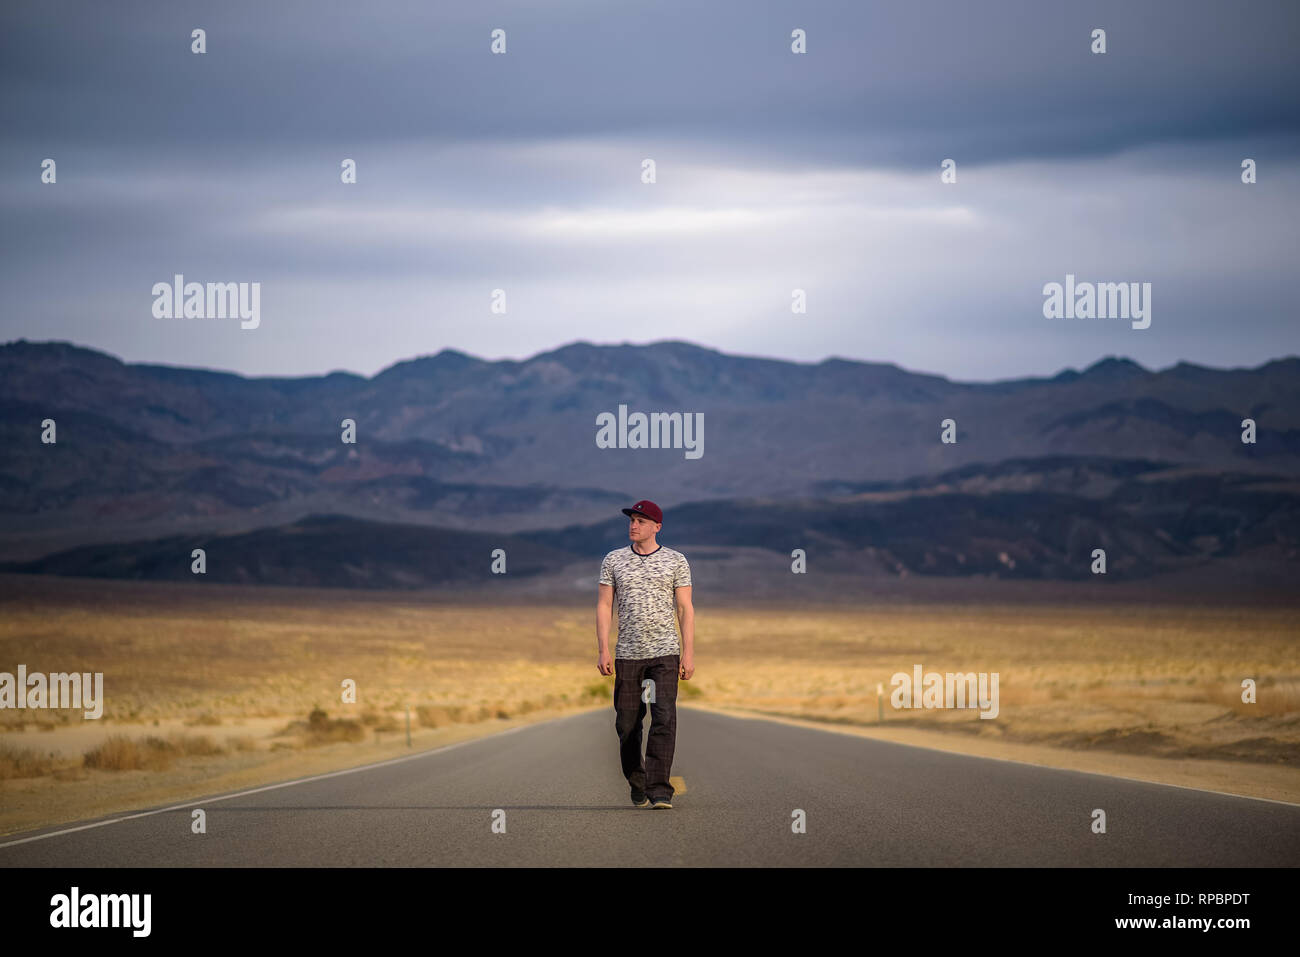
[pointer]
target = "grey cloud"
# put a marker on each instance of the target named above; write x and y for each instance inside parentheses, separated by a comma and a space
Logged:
(775, 171)
(882, 83)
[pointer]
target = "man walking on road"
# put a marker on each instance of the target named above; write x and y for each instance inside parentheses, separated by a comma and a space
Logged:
(651, 583)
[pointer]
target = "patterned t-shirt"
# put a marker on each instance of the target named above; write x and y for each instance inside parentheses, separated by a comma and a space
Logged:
(644, 587)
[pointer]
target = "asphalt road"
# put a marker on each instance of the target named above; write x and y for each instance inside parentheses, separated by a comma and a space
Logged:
(867, 803)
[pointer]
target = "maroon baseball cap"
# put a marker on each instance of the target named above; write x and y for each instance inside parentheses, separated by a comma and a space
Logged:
(649, 509)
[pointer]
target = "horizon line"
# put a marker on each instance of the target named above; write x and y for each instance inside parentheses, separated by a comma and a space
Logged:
(643, 345)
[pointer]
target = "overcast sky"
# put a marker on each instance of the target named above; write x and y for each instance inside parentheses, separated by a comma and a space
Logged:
(775, 171)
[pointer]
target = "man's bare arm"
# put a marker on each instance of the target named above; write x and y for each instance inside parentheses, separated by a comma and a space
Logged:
(604, 618)
(686, 620)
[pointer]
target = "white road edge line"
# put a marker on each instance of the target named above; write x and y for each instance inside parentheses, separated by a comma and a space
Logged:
(985, 757)
(283, 784)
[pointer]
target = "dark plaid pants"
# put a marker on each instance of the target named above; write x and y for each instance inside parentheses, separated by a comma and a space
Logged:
(650, 775)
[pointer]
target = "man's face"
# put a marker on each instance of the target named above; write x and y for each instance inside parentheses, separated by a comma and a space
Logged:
(640, 528)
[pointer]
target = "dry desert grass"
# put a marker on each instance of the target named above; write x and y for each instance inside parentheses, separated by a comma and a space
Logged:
(195, 675)
(1163, 681)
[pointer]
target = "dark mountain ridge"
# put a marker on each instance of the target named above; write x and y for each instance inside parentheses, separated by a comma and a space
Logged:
(456, 442)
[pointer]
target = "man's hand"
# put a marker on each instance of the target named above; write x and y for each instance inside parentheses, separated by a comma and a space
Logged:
(605, 663)
(687, 668)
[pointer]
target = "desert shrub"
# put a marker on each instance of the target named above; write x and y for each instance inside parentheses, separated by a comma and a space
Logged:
(322, 729)
(120, 753)
(23, 763)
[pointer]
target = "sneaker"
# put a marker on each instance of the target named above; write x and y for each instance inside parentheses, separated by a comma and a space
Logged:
(639, 799)
(660, 803)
